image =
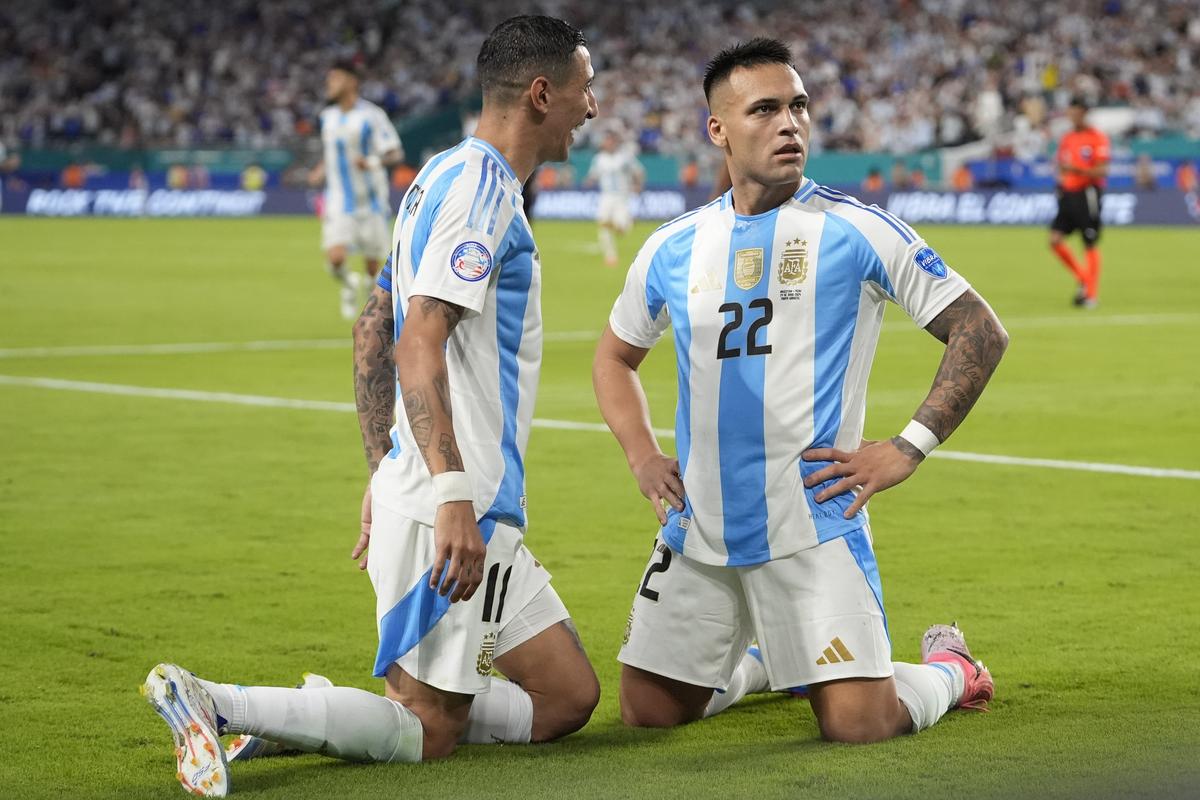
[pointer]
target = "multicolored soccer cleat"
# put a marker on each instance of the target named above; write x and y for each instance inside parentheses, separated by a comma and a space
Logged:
(189, 711)
(245, 747)
(946, 644)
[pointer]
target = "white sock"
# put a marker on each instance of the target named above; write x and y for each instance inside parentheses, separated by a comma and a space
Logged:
(928, 690)
(501, 715)
(608, 245)
(750, 677)
(338, 721)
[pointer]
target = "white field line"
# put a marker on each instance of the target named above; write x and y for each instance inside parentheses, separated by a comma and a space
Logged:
(275, 345)
(326, 405)
(173, 349)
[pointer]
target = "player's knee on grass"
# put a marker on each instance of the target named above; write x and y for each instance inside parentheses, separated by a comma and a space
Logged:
(555, 672)
(653, 701)
(858, 712)
(443, 715)
(567, 710)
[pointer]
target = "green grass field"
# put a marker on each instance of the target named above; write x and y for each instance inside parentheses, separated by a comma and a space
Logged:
(138, 529)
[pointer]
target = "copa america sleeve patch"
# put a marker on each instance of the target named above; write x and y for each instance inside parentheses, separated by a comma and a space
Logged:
(927, 259)
(471, 261)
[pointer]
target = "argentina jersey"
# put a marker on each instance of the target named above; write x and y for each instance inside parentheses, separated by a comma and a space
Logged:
(363, 131)
(775, 320)
(461, 236)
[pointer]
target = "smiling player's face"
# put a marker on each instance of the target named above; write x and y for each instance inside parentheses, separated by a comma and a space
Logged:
(571, 104)
(760, 118)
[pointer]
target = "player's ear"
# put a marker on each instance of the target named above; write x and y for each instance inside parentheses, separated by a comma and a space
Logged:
(716, 131)
(539, 94)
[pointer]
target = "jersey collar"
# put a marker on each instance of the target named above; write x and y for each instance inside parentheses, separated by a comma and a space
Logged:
(494, 153)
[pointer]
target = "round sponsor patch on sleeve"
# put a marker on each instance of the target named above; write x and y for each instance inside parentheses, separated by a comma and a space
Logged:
(471, 261)
(928, 260)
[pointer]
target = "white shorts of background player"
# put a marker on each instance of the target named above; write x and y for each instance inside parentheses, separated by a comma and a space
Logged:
(615, 210)
(364, 230)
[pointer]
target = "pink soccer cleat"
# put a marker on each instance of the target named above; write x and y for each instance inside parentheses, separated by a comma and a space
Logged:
(946, 644)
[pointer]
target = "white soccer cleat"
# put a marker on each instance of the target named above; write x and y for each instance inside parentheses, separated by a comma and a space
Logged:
(245, 747)
(189, 711)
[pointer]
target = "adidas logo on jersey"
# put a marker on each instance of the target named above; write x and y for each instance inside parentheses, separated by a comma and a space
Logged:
(709, 282)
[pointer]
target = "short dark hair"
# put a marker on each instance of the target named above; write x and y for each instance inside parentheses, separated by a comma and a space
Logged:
(348, 66)
(1080, 101)
(759, 50)
(521, 48)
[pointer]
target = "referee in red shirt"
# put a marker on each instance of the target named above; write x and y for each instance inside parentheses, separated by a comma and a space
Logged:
(1082, 160)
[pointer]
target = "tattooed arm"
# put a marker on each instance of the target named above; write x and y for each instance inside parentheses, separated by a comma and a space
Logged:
(425, 388)
(374, 395)
(975, 341)
(375, 376)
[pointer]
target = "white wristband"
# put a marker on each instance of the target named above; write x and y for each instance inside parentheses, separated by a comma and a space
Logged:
(919, 437)
(451, 487)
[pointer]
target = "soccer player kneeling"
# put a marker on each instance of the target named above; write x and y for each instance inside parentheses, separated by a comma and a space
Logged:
(775, 292)
(458, 592)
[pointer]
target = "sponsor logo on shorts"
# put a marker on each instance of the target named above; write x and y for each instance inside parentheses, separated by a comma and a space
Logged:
(471, 261)
(483, 664)
(836, 653)
(928, 260)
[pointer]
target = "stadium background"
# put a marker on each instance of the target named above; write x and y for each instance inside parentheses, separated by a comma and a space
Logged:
(181, 470)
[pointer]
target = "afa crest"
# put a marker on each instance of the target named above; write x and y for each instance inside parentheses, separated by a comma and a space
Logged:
(483, 664)
(793, 264)
(748, 267)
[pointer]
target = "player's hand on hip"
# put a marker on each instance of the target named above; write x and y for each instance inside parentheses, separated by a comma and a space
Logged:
(364, 536)
(461, 552)
(874, 467)
(659, 480)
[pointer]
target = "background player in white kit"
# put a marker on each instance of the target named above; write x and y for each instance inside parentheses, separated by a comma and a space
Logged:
(619, 174)
(359, 144)
(445, 512)
(776, 292)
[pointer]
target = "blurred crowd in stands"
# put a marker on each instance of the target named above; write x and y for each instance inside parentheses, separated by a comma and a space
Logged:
(885, 75)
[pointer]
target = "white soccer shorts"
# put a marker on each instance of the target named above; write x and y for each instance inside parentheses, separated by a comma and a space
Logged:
(817, 615)
(364, 230)
(514, 603)
(615, 211)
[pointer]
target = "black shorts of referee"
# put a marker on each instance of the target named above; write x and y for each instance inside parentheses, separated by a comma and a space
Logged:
(1079, 211)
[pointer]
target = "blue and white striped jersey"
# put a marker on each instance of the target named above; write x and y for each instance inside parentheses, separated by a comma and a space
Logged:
(364, 130)
(461, 236)
(775, 320)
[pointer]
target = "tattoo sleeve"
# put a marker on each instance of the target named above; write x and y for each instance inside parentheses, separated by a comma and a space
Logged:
(421, 366)
(374, 376)
(975, 341)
